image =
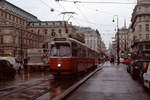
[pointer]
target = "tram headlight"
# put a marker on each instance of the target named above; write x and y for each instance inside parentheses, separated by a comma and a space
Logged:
(59, 65)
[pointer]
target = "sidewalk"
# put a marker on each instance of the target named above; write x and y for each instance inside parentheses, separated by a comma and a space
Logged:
(111, 83)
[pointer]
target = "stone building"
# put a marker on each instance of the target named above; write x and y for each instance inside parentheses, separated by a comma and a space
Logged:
(92, 38)
(15, 38)
(122, 42)
(140, 28)
(52, 29)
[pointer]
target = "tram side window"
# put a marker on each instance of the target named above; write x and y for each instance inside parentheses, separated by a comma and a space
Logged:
(74, 52)
(79, 53)
(90, 53)
(83, 52)
(74, 49)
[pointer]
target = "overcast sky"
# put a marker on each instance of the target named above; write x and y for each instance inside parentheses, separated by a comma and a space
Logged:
(95, 15)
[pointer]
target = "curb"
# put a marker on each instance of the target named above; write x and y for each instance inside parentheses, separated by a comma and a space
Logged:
(69, 90)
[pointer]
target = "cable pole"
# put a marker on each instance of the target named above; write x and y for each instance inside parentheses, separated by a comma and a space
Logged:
(21, 46)
(118, 40)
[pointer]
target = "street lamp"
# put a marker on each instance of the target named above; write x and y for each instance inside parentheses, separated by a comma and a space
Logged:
(118, 47)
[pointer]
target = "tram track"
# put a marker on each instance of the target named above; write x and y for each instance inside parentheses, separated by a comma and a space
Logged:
(30, 89)
(38, 88)
(16, 90)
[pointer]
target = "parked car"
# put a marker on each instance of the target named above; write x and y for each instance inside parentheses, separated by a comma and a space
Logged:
(143, 70)
(127, 61)
(137, 68)
(146, 77)
(129, 64)
(12, 60)
(6, 70)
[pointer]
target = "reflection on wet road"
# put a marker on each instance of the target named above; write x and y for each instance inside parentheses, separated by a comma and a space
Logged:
(31, 86)
(23, 77)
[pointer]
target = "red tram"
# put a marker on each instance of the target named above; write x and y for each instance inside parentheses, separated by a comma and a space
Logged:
(70, 56)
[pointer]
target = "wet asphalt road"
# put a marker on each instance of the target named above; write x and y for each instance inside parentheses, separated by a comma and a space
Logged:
(22, 78)
(111, 83)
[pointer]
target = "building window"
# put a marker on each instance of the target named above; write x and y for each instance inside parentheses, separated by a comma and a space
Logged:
(5, 15)
(38, 31)
(13, 18)
(140, 28)
(140, 36)
(1, 39)
(32, 31)
(147, 46)
(140, 19)
(66, 30)
(53, 32)
(45, 31)
(59, 31)
(23, 22)
(147, 36)
(133, 29)
(9, 17)
(147, 27)
(2, 13)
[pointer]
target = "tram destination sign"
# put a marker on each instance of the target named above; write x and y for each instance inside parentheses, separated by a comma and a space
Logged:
(60, 39)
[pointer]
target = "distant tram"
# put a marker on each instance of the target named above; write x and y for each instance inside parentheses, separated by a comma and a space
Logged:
(69, 56)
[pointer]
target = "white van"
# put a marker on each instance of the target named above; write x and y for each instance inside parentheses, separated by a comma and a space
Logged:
(37, 57)
(13, 61)
(146, 77)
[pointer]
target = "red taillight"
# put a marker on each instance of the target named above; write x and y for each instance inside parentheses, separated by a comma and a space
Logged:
(136, 67)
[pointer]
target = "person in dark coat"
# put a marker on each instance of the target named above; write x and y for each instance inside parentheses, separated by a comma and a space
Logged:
(25, 61)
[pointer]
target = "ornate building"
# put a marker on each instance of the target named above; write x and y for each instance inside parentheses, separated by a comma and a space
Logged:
(140, 28)
(15, 38)
(52, 29)
(122, 42)
(92, 38)
(123, 34)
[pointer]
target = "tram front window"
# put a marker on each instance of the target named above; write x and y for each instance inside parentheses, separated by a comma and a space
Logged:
(61, 50)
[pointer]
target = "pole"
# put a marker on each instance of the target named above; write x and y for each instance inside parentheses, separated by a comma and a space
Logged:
(118, 47)
(21, 45)
(118, 43)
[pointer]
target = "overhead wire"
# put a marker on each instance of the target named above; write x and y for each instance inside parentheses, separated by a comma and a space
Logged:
(80, 12)
(87, 21)
(98, 2)
(48, 5)
(66, 11)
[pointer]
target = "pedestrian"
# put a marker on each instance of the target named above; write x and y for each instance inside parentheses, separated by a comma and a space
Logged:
(25, 61)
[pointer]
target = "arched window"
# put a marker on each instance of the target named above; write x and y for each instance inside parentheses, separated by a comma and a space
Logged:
(53, 32)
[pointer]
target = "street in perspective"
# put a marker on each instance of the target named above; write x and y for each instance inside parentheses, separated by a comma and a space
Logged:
(75, 50)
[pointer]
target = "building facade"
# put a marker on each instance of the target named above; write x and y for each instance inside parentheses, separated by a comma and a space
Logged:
(52, 29)
(140, 28)
(92, 38)
(15, 38)
(123, 36)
